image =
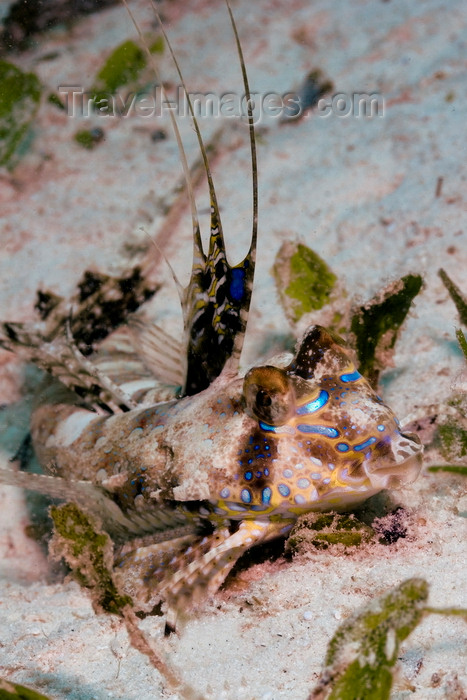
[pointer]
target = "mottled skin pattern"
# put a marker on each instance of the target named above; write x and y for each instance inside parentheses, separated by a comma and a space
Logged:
(338, 439)
(308, 436)
(178, 447)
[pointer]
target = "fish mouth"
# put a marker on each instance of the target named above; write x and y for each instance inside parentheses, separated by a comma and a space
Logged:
(400, 466)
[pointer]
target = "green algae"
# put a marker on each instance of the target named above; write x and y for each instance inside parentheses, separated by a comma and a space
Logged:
(462, 340)
(450, 468)
(375, 326)
(304, 280)
(361, 655)
(89, 554)
(451, 434)
(305, 283)
(88, 551)
(322, 530)
(89, 138)
(122, 67)
(453, 440)
(456, 295)
(14, 691)
(20, 95)
(54, 100)
(157, 45)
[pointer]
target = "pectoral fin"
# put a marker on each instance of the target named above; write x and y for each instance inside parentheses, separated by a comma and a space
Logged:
(184, 571)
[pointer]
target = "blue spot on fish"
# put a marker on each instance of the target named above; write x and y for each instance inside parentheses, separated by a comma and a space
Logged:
(351, 376)
(283, 489)
(315, 405)
(365, 444)
(342, 447)
(245, 496)
(225, 493)
(266, 495)
(279, 429)
(318, 429)
(265, 426)
(237, 284)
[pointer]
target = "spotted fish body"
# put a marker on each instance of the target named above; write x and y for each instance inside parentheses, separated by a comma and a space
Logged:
(338, 443)
(231, 463)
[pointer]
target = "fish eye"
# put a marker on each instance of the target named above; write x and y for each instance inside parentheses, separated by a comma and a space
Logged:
(269, 395)
(263, 399)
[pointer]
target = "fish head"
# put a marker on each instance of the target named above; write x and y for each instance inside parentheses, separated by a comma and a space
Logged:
(290, 437)
(320, 437)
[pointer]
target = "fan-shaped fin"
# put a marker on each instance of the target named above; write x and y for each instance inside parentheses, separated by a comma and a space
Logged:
(95, 500)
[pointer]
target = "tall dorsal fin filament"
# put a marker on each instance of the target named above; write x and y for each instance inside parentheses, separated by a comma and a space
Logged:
(217, 300)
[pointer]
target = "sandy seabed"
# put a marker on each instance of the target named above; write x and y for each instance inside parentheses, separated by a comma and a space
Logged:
(377, 197)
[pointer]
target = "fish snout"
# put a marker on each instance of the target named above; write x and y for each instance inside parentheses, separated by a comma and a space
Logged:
(399, 465)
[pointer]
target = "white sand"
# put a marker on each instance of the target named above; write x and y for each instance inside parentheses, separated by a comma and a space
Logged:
(361, 192)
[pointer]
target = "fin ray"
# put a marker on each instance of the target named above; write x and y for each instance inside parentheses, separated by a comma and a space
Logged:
(93, 499)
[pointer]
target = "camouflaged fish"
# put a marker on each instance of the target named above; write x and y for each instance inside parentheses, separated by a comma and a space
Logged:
(188, 464)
